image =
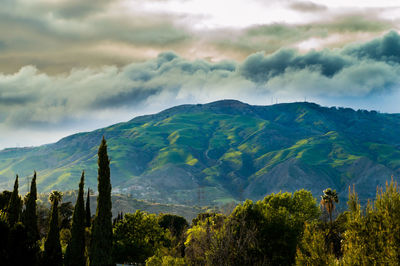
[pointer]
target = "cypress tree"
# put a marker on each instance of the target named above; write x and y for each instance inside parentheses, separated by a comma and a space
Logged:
(75, 254)
(88, 214)
(14, 206)
(29, 220)
(101, 243)
(52, 255)
(30, 216)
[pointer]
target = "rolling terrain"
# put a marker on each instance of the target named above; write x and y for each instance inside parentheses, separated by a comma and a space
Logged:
(223, 151)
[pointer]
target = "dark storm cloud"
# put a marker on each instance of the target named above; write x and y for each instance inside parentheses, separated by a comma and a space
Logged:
(260, 68)
(87, 91)
(130, 97)
(386, 49)
(354, 68)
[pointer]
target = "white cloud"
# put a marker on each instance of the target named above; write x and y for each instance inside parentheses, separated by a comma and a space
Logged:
(88, 98)
(67, 65)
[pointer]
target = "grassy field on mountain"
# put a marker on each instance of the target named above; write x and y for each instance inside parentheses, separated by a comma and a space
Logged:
(223, 151)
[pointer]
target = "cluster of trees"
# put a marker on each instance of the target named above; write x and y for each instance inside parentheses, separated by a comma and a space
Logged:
(281, 229)
(82, 240)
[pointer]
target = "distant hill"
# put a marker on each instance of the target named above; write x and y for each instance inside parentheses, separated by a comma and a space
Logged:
(223, 151)
(128, 204)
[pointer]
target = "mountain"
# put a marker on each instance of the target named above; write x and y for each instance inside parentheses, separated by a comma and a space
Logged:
(223, 151)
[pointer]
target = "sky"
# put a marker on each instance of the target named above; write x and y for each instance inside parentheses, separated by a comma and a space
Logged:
(68, 66)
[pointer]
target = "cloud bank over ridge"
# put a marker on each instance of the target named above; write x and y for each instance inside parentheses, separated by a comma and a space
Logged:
(369, 71)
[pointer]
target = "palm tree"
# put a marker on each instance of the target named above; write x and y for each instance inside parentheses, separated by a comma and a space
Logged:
(55, 195)
(328, 200)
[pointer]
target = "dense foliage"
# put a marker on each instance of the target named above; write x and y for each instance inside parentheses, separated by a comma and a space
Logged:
(281, 229)
(373, 234)
(265, 232)
(136, 237)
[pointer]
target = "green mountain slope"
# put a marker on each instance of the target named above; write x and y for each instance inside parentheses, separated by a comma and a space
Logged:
(223, 151)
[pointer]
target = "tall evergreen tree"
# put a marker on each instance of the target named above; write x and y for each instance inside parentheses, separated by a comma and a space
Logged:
(87, 210)
(30, 216)
(30, 222)
(101, 242)
(14, 206)
(75, 254)
(52, 255)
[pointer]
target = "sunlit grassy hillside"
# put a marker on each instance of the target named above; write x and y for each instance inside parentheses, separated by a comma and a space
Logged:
(223, 151)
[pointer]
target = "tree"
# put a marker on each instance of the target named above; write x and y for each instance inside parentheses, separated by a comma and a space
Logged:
(30, 218)
(43, 213)
(119, 217)
(312, 250)
(200, 237)
(137, 237)
(373, 234)
(301, 204)
(264, 233)
(174, 223)
(19, 246)
(177, 226)
(328, 200)
(66, 210)
(75, 253)
(87, 210)
(14, 206)
(52, 255)
(5, 199)
(101, 242)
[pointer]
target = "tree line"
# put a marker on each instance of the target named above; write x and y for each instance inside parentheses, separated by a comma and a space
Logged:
(82, 241)
(282, 229)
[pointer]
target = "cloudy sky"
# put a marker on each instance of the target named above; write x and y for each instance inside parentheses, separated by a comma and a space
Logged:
(68, 66)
